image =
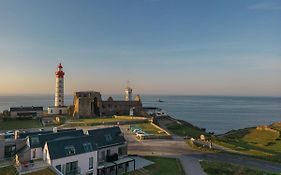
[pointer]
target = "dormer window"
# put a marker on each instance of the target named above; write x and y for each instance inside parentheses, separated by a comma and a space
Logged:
(69, 150)
(34, 140)
(88, 147)
(108, 137)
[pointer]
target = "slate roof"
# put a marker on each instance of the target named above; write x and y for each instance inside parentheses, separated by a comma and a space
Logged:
(105, 137)
(57, 148)
(37, 141)
(151, 108)
(27, 134)
(22, 109)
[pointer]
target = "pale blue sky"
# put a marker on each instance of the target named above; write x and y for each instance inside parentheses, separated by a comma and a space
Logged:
(197, 47)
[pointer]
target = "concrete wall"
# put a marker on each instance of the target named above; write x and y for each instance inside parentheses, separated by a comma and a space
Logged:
(38, 153)
(23, 156)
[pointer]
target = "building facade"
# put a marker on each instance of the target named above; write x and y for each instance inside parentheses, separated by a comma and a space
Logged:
(26, 112)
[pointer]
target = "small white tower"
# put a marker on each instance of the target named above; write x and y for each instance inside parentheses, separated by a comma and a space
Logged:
(128, 92)
(59, 95)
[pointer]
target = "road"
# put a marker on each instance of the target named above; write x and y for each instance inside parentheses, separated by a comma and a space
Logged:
(177, 148)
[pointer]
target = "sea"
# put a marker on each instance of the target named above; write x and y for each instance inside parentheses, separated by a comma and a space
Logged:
(218, 114)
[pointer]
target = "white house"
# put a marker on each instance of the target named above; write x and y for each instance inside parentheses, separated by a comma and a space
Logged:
(112, 151)
(72, 156)
(99, 152)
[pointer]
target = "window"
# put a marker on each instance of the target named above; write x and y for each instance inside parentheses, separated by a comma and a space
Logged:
(34, 140)
(120, 151)
(58, 167)
(88, 147)
(72, 167)
(69, 150)
(34, 153)
(91, 163)
(108, 152)
(102, 155)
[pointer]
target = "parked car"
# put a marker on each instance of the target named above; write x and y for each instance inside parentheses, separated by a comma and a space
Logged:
(136, 130)
(139, 134)
(10, 133)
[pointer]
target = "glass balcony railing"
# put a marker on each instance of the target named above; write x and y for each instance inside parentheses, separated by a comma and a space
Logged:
(75, 171)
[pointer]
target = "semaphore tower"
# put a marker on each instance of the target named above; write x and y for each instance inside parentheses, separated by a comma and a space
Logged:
(128, 92)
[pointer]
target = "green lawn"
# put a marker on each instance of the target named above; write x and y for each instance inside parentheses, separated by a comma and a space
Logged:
(217, 168)
(263, 143)
(20, 124)
(46, 171)
(9, 170)
(161, 166)
(149, 128)
(98, 121)
(184, 130)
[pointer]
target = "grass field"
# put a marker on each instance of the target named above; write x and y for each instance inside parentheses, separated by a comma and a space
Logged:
(180, 128)
(149, 128)
(263, 143)
(183, 130)
(163, 166)
(20, 124)
(9, 170)
(46, 171)
(98, 121)
(217, 168)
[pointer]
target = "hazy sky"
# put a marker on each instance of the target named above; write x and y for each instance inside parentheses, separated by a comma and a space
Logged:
(199, 47)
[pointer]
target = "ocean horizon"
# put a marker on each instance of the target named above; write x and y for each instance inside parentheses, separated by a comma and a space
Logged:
(217, 114)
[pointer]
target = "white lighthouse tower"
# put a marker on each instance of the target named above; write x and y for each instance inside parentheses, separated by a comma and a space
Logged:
(128, 92)
(59, 107)
(59, 95)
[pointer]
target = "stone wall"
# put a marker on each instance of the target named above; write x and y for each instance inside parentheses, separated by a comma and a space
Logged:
(120, 107)
(90, 104)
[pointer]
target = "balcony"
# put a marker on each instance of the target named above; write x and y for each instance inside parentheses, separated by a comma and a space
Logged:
(75, 171)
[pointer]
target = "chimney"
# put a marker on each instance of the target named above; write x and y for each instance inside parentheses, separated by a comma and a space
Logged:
(17, 134)
(55, 129)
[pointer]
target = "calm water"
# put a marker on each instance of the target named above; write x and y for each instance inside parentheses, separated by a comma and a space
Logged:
(218, 114)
